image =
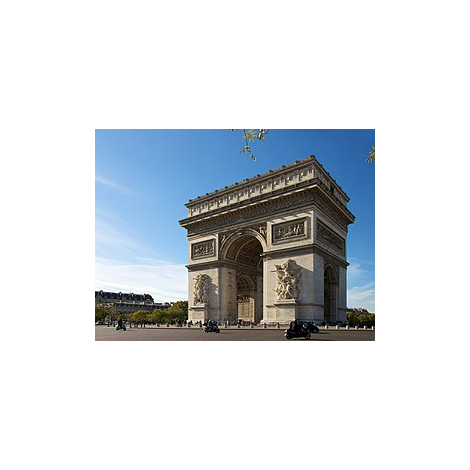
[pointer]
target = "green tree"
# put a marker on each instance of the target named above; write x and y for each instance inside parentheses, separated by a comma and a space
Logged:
(371, 157)
(178, 311)
(101, 312)
(352, 318)
(138, 316)
(105, 312)
(160, 316)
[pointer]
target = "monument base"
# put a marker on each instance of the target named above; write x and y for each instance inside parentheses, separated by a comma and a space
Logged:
(283, 311)
(199, 312)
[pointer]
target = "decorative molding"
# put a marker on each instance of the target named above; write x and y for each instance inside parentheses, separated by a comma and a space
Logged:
(297, 173)
(281, 204)
(203, 249)
(326, 235)
(292, 230)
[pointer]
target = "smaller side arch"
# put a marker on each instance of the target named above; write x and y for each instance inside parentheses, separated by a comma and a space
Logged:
(332, 272)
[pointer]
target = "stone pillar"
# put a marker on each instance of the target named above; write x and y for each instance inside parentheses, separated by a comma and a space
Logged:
(342, 290)
(318, 286)
(228, 294)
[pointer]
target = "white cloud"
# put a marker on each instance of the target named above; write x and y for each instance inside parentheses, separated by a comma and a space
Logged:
(113, 185)
(361, 282)
(363, 296)
(120, 188)
(164, 281)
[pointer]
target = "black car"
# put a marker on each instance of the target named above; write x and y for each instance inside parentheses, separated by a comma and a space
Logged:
(309, 325)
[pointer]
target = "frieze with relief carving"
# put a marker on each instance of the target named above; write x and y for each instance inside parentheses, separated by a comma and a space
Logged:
(289, 202)
(203, 249)
(289, 230)
(326, 235)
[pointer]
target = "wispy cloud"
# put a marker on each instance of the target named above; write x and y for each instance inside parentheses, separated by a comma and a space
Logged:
(123, 263)
(163, 280)
(361, 283)
(360, 270)
(363, 296)
(113, 185)
(120, 188)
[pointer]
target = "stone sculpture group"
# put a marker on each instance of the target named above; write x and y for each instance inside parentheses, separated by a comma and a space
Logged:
(201, 289)
(288, 277)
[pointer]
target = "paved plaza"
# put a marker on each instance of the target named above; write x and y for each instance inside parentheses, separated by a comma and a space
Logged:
(104, 333)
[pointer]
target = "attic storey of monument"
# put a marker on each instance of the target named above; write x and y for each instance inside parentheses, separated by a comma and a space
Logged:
(270, 249)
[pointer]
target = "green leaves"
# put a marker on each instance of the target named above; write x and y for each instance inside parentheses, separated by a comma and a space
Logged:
(247, 149)
(251, 135)
(371, 157)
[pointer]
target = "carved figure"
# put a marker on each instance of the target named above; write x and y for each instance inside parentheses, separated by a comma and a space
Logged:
(288, 277)
(203, 249)
(201, 289)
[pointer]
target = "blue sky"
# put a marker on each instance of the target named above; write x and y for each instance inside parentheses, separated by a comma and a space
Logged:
(143, 178)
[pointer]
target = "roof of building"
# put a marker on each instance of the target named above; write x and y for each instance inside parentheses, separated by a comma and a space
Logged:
(122, 296)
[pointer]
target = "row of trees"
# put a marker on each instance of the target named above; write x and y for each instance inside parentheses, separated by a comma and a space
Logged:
(176, 312)
(361, 319)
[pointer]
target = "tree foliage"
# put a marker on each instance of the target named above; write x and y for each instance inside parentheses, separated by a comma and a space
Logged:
(179, 310)
(103, 312)
(361, 319)
(250, 136)
(371, 157)
(138, 316)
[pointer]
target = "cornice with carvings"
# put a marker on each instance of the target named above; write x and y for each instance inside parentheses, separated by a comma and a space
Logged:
(289, 172)
(313, 197)
(284, 180)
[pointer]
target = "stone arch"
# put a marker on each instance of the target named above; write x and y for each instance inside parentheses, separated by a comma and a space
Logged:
(235, 240)
(242, 252)
(245, 282)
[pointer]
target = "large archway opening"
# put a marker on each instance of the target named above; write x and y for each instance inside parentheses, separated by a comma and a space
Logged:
(330, 295)
(245, 255)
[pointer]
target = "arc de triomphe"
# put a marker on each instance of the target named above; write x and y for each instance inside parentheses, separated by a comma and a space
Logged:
(270, 249)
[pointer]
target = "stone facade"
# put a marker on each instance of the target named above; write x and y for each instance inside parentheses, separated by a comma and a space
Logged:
(270, 249)
(128, 302)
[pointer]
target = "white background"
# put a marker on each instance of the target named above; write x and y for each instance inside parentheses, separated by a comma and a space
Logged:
(69, 68)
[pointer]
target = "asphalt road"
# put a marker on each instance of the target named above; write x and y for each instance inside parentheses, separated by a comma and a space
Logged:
(104, 333)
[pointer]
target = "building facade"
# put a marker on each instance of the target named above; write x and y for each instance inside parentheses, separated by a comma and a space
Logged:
(128, 302)
(270, 249)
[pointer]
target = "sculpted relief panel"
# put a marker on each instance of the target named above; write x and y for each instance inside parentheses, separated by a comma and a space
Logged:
(249, 213)
(288, 277)
(326, 235)
(203, 249)
(201, 289)
(289, 230)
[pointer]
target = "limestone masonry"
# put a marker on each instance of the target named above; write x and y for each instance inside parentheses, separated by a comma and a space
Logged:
(270, 249)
